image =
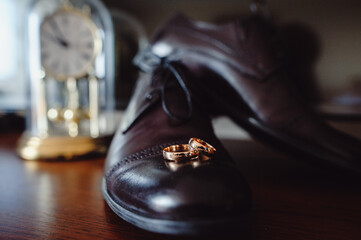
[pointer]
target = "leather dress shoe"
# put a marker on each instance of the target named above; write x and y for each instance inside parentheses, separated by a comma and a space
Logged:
(239, 68)
(143, 188)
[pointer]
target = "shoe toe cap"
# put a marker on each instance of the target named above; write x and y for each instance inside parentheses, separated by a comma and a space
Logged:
(150, 188)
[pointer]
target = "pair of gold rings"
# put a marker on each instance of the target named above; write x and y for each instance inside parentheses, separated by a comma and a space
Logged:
(195, 149)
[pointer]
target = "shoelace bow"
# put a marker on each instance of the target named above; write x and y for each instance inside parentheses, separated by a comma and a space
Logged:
(148, 61)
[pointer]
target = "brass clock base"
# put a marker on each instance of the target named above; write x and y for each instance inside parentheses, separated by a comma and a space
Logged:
(61, 148)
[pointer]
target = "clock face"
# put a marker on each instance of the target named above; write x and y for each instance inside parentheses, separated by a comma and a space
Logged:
(68, 44)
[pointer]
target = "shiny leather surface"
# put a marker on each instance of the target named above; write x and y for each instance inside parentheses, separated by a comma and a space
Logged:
(138, 178)
(240, 66)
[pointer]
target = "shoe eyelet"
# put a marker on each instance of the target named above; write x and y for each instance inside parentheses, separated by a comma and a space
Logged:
(149, 97)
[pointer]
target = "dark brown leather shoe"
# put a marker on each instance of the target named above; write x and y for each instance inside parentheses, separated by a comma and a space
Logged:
(192, 197)
(239, 68)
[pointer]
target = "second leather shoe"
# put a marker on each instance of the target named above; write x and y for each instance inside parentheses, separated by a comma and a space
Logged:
(195, 196)
(239, 69)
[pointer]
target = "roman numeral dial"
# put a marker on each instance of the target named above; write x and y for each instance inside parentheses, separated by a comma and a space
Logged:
(69, 44)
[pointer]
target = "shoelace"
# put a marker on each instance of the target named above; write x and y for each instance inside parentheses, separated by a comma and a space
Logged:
(148, 61)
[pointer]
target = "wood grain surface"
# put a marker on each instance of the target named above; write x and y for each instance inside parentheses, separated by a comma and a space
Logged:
(63, 200)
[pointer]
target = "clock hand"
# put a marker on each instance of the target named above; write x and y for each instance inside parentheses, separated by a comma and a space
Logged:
(55, 39)
(59, 34)
(62, 42)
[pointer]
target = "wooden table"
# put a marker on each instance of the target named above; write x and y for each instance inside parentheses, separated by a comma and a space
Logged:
(63, 200)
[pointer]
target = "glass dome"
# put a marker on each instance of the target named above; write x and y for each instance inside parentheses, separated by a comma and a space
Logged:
(70, 72)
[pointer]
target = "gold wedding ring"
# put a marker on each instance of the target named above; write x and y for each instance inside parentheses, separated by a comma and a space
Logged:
(180, 152)
(202, 147)
(196, 149)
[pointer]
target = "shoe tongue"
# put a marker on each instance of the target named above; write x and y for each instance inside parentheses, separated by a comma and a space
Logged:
(175, 98)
